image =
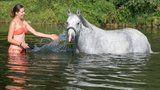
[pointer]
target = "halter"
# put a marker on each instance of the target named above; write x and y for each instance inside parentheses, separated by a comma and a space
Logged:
(71, 28)
(75, 33)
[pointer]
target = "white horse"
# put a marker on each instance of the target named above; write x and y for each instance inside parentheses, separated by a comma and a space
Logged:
(93, 40)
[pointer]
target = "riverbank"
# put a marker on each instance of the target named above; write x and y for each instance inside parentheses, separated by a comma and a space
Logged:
(100, 13)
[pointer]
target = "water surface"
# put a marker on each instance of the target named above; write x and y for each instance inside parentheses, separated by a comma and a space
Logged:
(48, 70)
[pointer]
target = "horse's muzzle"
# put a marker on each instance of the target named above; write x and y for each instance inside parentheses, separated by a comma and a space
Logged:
(71, 38)
(71, 34)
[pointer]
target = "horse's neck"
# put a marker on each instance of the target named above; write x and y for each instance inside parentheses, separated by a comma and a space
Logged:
(88, 37)
(91, 30)
(86, 33)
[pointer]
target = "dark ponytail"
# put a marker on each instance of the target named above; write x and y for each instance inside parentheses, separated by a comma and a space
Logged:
(15, 9)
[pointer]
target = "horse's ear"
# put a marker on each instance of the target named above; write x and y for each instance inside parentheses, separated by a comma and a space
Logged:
(78, 12)
(69, 12)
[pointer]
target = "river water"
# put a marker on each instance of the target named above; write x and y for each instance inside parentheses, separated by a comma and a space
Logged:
(50, 70)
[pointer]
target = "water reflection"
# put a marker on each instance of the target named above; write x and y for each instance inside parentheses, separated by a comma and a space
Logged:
(52, 71)
(32, 71)
(44, 71)
(18, 67)
(107, 71)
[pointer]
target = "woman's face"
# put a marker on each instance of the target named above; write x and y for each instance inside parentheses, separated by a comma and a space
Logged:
(21, 13)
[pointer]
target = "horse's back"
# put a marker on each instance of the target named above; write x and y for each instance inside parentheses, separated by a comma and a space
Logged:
(126, 40)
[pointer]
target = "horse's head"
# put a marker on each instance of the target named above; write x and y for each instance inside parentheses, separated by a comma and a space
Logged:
(75, 22)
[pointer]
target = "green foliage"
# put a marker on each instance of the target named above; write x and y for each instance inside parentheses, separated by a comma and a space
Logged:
(98, 12)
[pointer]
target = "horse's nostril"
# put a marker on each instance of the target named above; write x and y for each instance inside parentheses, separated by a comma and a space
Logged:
(71, 38)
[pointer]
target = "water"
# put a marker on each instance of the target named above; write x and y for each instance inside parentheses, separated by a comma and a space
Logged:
(58, 46)
(50, 70)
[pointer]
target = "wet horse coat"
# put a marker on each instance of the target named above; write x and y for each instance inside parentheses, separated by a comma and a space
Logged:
(93, 40)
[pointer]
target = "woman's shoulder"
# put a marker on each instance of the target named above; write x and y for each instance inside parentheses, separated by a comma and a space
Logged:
(13, 22)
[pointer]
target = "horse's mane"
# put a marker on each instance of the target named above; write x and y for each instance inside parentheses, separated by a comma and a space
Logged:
(86, 23)
(83, 21)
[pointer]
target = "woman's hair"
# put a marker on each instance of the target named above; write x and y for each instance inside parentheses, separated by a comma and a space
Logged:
(15, 9)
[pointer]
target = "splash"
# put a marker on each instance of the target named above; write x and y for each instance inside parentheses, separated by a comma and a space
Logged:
(58, 46)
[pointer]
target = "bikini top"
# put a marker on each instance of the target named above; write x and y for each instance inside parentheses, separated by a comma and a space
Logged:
(20, 30)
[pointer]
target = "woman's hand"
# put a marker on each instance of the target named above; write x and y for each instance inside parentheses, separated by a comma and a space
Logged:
(24, 45)
(54, 37)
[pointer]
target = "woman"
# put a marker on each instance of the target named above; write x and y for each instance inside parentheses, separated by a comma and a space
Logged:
(17, 30)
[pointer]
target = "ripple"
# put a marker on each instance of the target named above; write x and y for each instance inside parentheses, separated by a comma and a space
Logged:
(107, 71)
(80, 71)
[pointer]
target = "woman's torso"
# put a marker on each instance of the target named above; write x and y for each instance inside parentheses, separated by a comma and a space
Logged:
(19, 34)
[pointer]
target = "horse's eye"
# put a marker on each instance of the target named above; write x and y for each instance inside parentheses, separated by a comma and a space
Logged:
(78, 24)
